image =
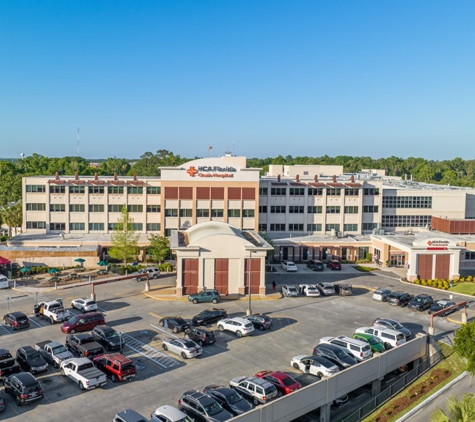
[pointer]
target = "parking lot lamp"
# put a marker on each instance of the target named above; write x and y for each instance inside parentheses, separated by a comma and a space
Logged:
(121, 333)
(249, 308)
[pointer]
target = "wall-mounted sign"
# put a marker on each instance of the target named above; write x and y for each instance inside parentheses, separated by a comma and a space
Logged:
(434, 243)
(211, 171)
(437, 245)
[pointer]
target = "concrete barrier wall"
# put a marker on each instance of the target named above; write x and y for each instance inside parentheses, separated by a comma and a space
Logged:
(327, 390)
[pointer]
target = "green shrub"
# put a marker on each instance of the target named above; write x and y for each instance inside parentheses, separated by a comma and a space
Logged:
(369, 256)
(423, 282)
(166, 267)
(417, 281)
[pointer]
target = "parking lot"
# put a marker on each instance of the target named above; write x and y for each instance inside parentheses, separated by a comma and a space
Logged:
(163, 376)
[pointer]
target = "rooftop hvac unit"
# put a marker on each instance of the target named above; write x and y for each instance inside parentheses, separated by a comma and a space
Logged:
(381, 232)
(333, 232)
(375, 231)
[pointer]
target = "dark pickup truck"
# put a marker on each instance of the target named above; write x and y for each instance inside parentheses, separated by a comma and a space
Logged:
(7, 363)
(83, 345)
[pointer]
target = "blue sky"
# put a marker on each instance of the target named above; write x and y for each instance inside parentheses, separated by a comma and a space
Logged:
(260, 78)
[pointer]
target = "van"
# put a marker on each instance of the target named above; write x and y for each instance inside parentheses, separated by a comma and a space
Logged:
(359, 349)
(4, 282)
(390, 338)
(82, 323)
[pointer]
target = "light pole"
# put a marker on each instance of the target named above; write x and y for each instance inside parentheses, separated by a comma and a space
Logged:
(249, 309)
(121, 333)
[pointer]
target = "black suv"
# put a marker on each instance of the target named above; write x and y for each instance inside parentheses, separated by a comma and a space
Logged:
(421, 302)
(208, 316)
(399, 298)
(24, 387)
(7, 363)
(202, 407)
(30, 360)
(16, 320)
(174, 323)
(230, 399)
(315, 265)
(263, 322)
(107, 337)
(335, 354)
(200, 335)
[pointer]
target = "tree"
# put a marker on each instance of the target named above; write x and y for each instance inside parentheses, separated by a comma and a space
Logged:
(12, 216)
(159, 247)
(464, 340)
(124, 238)
(458, 410)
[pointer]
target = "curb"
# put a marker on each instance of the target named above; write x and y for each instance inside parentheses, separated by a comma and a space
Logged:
(223, 299)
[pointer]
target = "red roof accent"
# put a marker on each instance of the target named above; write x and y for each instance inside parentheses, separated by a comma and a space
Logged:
(57, 182)
(317, 184)
(354, 185)
(336, 185)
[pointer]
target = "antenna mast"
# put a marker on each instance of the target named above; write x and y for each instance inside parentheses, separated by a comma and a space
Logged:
(78, 142)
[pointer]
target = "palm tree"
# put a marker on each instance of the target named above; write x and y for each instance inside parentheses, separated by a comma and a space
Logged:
(458, 410)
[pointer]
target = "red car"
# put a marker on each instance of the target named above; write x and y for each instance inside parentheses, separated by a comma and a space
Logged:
(334, 264)
(116, 366)
(284, 383)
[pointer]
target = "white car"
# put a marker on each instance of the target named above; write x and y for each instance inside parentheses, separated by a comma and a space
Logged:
(314, 365)
(381, 295)
(169, 414)
(182, 346)
(309, 290)
(289, 266)
(289, 291)
(239, 326)
(84, 305)
(153, 272)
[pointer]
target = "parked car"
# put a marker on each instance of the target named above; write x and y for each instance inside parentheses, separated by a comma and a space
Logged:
(326, 289)
(82, 322)
(334, 265)
(174, 323)
(83, 372)
(421, 302)
(381, 295)
(184, 347)
(109, 338)
(30, 360)
(23, 387)
(200, 335)
(200, 406)
(439, 305)
(153, 272)
(309, 290)
(4, 284)
(83, 345)
(205, 296)
(343, 289)
(2, 404)
(208, 316)
(239, 326)
(375, 343)
(340, 401)
(260, 321)
(315, 265)
(289, 266)
(315, 365)
(289, 291)
(169, 414)
(7, 363)
(129, 415)
(16, 320)
(284, 383)
(53, 311)
(84, 305)
(389, 337)
(335, 354)
(255, 389)
(53, 352)
(230, 399)
(394, 325)
(116, 366)
(359, 349)
(399, 298)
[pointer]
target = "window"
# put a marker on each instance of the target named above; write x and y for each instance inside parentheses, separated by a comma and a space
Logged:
(406, 220)
(202, 212)
(154, 190)
(263, 191)
(36, 207)
(333, 191)
(350, 227)
(57, 207)
(278, 191)
(112, 226)
(96, 207)
(352, 192)
(277, 227)
(168, 232)
(137, 226)
(96, 190)
(296, 209)
(315, 191)
(36, 224)
(171, 212)
(186, 212)
(297, 191)
(295, 227)
(217, 213)
(262, 209)
(333, 209)
(277, 209)
(115, 190)
(57, 189)
(330, 227)
(135, 190)
(248, 213)
(314, 227)
(135, 208)
(76, 227)
(314, 209)
(407, 201)
(153, 208)
(77, 189)
(234, 213)
(76, 207)
(36, 188)
(153, 227)
(369, 226)
(370, 208)
(262, 227)
(370, 191)
(115, 208)
(96, 227)
(469, 255)
(57, 226)
(351, 209)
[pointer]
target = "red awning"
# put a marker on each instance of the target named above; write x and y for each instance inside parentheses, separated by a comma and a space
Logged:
(4, 261)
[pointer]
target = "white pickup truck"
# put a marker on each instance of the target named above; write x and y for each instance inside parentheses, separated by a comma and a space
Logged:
(83, 372)
(53, 311)
(54, 352)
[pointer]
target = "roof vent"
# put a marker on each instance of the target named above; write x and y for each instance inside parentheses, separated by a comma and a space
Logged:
(115, 175)
(96, 177)
(278, 177)
(315, 178)
(334, 179)
(56, 175)
(352, 178)
(297, 178)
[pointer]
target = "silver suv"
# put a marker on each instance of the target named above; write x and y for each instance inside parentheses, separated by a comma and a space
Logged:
(153, 272)
(200, 406)
(255, 389)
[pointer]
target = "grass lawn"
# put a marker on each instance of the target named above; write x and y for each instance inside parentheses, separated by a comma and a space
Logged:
(364, 269)
(466, 288)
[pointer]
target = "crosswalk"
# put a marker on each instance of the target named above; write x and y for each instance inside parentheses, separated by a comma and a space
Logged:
(149, 352)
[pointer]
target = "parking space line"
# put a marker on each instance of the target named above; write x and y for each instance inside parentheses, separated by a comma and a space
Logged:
(4, 330)
(164, 331)
(149, 352)
(34, 322)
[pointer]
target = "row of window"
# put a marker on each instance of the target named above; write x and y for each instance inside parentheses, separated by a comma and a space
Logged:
(113, 190)
(406, 220)
(299, 227)
(316, 209)
(407, 202)
(311, 191)
(92, 226)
